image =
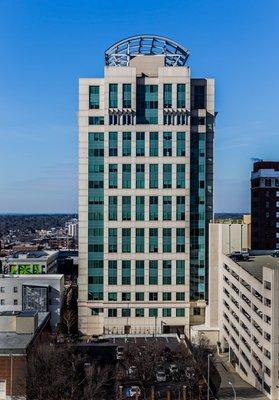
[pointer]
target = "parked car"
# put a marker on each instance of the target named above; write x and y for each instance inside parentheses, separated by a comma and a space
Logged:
(173, 368)
(132, 371)
(132, 391)
(161, 376)
(120, 353)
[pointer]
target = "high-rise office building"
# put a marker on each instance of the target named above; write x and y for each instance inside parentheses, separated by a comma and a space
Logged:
(265, 205)
(145, 189)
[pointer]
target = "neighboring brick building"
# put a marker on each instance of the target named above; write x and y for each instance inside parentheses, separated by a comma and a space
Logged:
(19, 332)
(265, 205)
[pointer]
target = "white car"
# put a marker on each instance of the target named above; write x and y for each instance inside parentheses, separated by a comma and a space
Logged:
(173, 368)
(161, 376)
(132, 371)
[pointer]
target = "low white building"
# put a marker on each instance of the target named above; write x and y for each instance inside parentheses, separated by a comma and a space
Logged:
(41, 293)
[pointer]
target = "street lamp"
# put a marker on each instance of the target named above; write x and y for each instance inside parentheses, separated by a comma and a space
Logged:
(234, 392)
(208, 372)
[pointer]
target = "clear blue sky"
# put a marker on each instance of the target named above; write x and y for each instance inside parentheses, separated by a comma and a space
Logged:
(46, 45)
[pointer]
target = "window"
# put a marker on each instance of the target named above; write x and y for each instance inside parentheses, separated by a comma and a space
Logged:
(167, 208)
(153, 272)
(153, 240)
(139, 272)
(180, 176)
(126, 176)
(126, 272)
(112, 240)
(126, 240)
(147, 104)
(180, 296)
(180, 208)
(139, 240)
(181, 98)
(126, 208)
(96, 120)
(167, 95)
(126, 296)
(2, 289)
(140, 144)
(166, 296)
(139, 312)
(96, 311)
(153, 144)
(113, 143)
(112, 312)
(15, 302)
(180, 272)
(153, 208)
(126, 95)
(112, 272)
(112, 176)
(167, 175)
(153, 176)
(140, 176)
(180, 312)
(113, 88)
(180, 144)
(167, 144)
(126, 312)
(15, 289)
(166, 272)
(166, 312)
(166, 240)
(153, 312)
(94, 97)
(112, 296)
(2, 302)
(139, 208)
(180, 240)
(153, 296)
(199, 97)
(112, 208)
(139, 296)
(126, 143)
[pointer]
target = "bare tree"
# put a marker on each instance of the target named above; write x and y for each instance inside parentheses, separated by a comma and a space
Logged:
(69, 319)
(99, 382)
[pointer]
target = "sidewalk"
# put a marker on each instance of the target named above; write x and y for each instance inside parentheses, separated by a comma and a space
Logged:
(243, 389)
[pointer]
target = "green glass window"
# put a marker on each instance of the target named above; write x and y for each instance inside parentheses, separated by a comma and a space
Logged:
(139, 272)
(94, 97)
(180, 144)
(180, 176)
(126, 272)
(153, 240)
(153, 296)
(140, 176)
(126, 143)
(140, 144)
(153, 312)
(96, 120)
(153, 144)
(180, 240)
(167, 144)
(153, 176)
(180, 208)
(112, 272)
(166, 296)
(166, 240)
(112, 296)
(112, 176)
(126, 208)
(167, 95)
(153, 208)
(113, 144)
(126, 176)
(126, 312)
(167, 208)
(112, 208)
(166, 272)
(126, 240)
(139, 208)
(166, 312)
(112, 240)
(139, 296)
(139, 240)
(180, 312)
(126, 296)
(113, 89)
(147, 104)
(112, 312)
(153, 272)
(180, 272)
(181, 95)
(127, 99)
(167, 175)
(139, 312)
(180, 296)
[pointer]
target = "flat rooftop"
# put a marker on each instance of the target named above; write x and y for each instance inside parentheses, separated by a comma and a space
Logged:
(254, 266)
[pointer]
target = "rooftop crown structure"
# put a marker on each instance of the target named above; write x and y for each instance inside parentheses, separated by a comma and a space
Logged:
(145, 190)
